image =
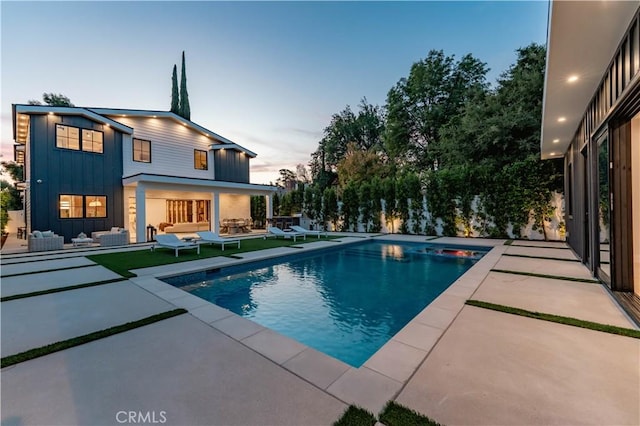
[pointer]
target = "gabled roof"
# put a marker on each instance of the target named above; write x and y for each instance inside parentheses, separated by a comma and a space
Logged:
(116, 112)
(19, 125)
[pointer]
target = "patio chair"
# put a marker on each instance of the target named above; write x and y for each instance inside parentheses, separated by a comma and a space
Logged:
(208, 237)
(277, 232)
(173, 242)
(301, 230)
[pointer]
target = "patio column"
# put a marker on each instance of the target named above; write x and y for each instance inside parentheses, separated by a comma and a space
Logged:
(269, 205)
(215, 200)
(141, 213)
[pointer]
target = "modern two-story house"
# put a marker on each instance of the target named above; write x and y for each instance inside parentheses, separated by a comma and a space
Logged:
(591, 116)
(91, 169)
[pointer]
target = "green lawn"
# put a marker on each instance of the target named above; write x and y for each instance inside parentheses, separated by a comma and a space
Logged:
(121, 263)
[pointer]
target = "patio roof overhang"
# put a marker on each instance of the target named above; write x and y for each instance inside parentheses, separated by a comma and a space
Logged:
(176, 183)
(582, 37)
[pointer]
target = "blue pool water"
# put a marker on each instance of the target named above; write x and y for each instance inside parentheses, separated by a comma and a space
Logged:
(346, 302)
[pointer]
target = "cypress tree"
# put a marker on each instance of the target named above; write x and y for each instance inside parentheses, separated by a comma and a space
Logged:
(185, 110)
(175, 96)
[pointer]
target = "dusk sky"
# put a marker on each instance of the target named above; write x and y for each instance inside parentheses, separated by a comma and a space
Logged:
(267, 75)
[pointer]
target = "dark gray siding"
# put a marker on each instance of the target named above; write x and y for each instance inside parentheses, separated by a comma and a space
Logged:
(231, 166)
(64, 171)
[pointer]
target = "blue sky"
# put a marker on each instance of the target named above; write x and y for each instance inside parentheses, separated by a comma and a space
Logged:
(267, 75)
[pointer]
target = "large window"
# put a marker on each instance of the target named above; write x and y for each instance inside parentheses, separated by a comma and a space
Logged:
(92, 141)
(96, 205)
(67, 137)
(141, 151)
(70, 206)
(200, 159)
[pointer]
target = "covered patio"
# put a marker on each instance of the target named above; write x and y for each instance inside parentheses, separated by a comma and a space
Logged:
(178, 205)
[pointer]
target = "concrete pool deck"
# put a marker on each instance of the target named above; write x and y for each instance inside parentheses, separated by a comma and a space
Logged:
(455, 363)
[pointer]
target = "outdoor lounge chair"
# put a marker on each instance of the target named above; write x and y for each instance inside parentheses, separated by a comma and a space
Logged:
(301, 230)
(208, 237)
(277, 232)
(173, 242)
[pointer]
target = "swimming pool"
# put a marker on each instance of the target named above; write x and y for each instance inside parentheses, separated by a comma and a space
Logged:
(346, 302)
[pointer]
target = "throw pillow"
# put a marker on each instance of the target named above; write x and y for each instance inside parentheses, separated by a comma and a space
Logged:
(82, 235)
(37, 234)
(47, 234)
(115, 230)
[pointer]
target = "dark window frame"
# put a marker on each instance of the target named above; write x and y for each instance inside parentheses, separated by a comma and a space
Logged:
(70, 207)
(87, 206)
(203, 153)
(79, 137)
(82, 146)
(133, 150)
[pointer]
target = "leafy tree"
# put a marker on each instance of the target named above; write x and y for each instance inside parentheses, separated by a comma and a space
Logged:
(350, 207)
(359, 166)
(287, 179)
(175, 95)
(14, 197)
(302, 174)
(53, 99)
(258, 209)
(4, 209)
(376, 203)
(330, 207)
(366, 205)
(421, 104)
(389, 195)
(185, 109)
(309, 206)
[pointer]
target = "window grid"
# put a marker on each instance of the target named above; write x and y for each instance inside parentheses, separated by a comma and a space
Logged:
(200, 159)
(141, 150)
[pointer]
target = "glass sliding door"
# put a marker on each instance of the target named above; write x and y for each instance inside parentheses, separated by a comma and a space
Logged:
(604, 209)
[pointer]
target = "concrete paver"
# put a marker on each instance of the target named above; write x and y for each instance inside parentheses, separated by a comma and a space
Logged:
(22, 284)
(543, 266)
(179, 366)
(45, 265)
(554, 253)
(365, 388)
(316, 367)
(539, 243)
(38, 321)
(501, 369)
(589, 302)
(274, 346)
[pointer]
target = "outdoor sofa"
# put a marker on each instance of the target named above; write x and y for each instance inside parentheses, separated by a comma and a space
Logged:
(44, 241)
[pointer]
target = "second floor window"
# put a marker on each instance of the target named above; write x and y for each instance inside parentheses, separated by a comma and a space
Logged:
(200, 159)
(92, 141)
(67, 137)
(141, 151)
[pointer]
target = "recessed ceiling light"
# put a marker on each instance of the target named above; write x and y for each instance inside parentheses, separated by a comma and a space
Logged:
(556, 140)
(50, 112)
(572, 79)
(553, 153)
(562, 119)
(154, 116)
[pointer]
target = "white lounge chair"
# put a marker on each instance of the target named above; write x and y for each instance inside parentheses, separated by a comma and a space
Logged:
(301, 230)
(277, 232)
(173, 242)
(208, 237)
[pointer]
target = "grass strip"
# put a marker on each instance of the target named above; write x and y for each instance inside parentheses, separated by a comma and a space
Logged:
(47, 270)
(87, 338)
(395, 414)
(356, 416)
(59, 289)
(611, 329)
(540, 247)
(553, 277)
(122, 262)
(508, 242)
(539, 257)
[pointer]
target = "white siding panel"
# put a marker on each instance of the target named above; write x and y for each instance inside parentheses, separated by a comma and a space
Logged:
(172, 146)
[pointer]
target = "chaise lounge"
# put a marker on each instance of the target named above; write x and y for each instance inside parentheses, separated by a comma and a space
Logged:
(208, 237)
(277, 232)
(173, 242)
(301, 230)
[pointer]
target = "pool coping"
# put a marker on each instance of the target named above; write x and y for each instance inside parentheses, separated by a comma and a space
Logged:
(383, 376)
